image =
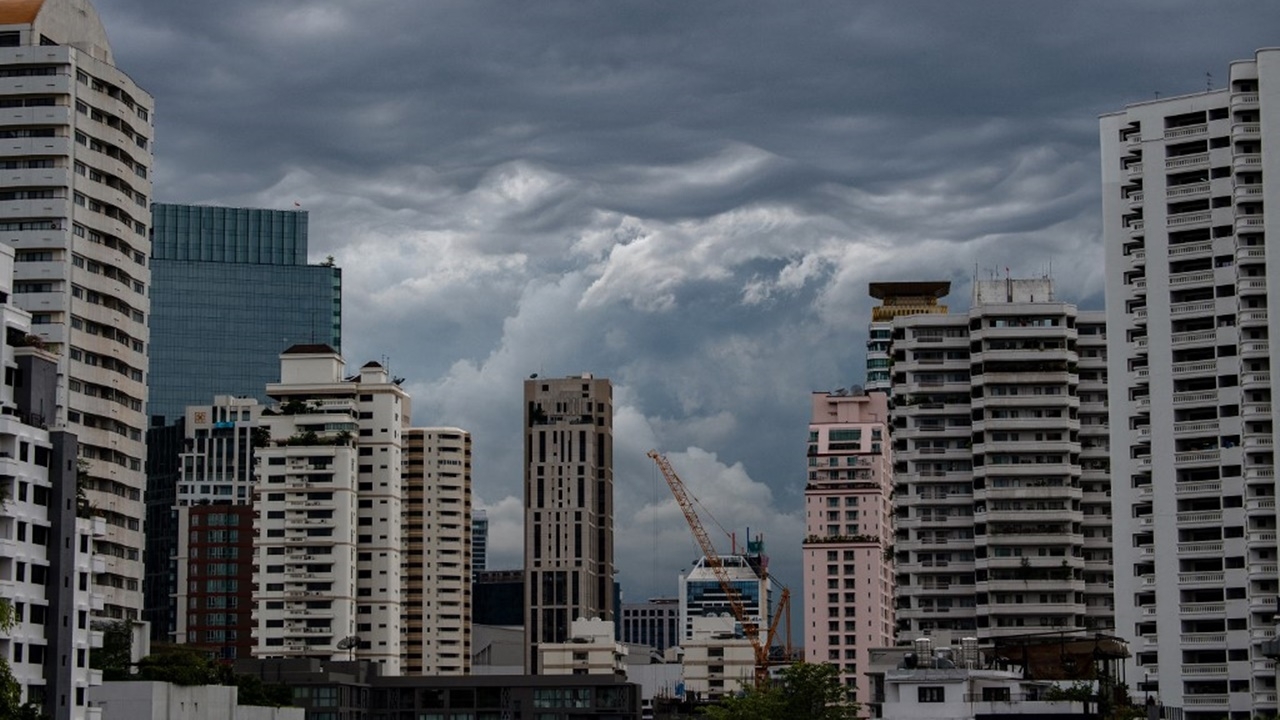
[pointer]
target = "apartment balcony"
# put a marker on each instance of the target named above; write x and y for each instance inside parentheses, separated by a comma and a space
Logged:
(1198, 337)
(1192, 309)
(1026, 539)
(1030, 586)
(1200, 702)
(1255, 379)
(1262, 634)
(1200, 578)
(1256, 504)
(1252, 286)
(1249, 193)
(1205, 672)
(1209, 548)
(1187, 162)
(1264, 698)
(1210, 638)
(1263, 603)
(1199, 457)
(1189, 251)
(1259, 472)
(1255, 410)
(1193, 427)
(1203, 608)
(1200, 517)
(1186, 192)
(1189, 220)
(1262, 571)
(1195, 398)
(1198, 277)
(1261, 538)
(1186, 131)
(1250, 223)
(1246, 131)
(1134, 169)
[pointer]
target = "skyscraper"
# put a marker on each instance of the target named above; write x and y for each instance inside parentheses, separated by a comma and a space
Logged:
(230, 290)
(1185, 225)
(568, 501)
(437, 559)
(1002, 517)
(479, 541)
(897, 299)
(74, 208)
(848, 570)
(329, 503)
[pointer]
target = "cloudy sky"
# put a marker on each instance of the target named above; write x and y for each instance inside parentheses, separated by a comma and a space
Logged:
(686, 197)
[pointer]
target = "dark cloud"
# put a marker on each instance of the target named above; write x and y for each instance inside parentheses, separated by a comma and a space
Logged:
(689, 198)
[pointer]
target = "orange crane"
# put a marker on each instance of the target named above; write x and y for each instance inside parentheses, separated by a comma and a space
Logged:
(750, 627)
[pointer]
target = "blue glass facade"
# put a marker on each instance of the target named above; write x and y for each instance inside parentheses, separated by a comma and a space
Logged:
(230, 290)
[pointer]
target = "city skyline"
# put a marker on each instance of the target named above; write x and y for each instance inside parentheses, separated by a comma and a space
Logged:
(535, 183)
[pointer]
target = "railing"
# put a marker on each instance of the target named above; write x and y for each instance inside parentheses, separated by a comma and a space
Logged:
(1195, 426)
(1203, 366)
(1190, 218)
(1200, 547)
(1186, 131)
(1199, 336)
(1191, 308)
(1191, 278)
(1194, 578)
(1200, 516)
(1200, 608)
(1191, 248)
(1186, 161)
(1175, 191)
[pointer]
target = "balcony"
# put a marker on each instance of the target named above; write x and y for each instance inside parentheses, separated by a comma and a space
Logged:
(1201, 578)
(1213, 670)
(1187, 162)
(1190, 278)
(1197, 337)
(1197, 458)
(1186, 131)
(1195, 398)
(1192, 249)
(1190, 219)
(1219, 639)
(1200, 548)
(1204, 608)
(1193, 308)
(1194, 426)
(1205, 700)
(1200, 517)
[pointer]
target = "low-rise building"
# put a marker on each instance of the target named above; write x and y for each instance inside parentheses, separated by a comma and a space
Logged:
(591, 650)
(718, 659)
(146, 700)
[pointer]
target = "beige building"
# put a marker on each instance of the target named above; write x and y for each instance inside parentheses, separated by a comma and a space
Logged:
(590, 650)
(329, 505)
(718, 659)
(437, 558)
(568, 493)
(75, 209)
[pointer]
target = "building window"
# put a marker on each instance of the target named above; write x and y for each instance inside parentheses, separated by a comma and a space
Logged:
(931, 693)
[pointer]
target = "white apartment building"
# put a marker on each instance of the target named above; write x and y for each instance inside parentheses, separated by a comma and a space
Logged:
(437, 556)
(897, 299)
(330, 504)
(718, 660)
(46, 552)
(1189, 316)
(991, 501)
(77, 157)
(700, 594)
(568, 502)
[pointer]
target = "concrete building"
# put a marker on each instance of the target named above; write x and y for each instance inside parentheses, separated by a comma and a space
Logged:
(329, 504)
(590, 650)
(988, 446)
(436, 613)
(231, 289)
(1189, 316)
(718, 659)
(211, 559)
(497, 598)
(479, 541)
(897, 299)
(46, 553)
(655, 623)
(849, 580)
(568, 500)
(700, 593)
(74, 208)
(143, 700)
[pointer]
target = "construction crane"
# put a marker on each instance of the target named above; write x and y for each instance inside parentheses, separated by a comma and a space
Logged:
(750, 626)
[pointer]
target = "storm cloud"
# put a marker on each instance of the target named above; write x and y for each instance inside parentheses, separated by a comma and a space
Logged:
(687, 198)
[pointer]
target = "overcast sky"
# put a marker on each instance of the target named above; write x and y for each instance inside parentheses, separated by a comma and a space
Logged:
(686, 197)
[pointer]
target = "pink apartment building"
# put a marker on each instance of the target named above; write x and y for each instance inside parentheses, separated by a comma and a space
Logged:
(848, 574)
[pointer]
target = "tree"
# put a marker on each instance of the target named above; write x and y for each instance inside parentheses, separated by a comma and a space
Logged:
(116, 653)
(11, 705)
(806, 690)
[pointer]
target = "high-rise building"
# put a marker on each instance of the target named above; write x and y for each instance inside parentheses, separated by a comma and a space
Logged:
(329, 504)
(479, 541)
(568, 501)
(897, 299)
(230, 290)
(211, 558)
(1191, 370)
(74, 209)
(46, 556)
(849, 534)
(701, 594)
(1002, 518)
(437, 558)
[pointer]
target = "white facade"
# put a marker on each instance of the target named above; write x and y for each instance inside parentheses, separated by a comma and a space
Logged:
(46, 551)
(988, 441)
(717, 660)
(437, 558)
(964, 694)
(591, 650)
(329, 504)
(75, 208)
(701, 595)
(1190, 286)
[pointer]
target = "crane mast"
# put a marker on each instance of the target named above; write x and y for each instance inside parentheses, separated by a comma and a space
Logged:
(750, 627)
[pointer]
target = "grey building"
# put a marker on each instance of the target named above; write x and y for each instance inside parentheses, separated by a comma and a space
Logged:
(230, 290)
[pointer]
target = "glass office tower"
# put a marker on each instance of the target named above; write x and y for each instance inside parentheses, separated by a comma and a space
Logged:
(230, 290)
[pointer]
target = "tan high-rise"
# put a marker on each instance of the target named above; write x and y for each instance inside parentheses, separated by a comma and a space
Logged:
(568, 501)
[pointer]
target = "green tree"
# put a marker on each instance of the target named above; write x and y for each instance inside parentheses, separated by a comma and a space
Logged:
(11, 705)
(806, 690)
(182, 665)
(114, 657)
